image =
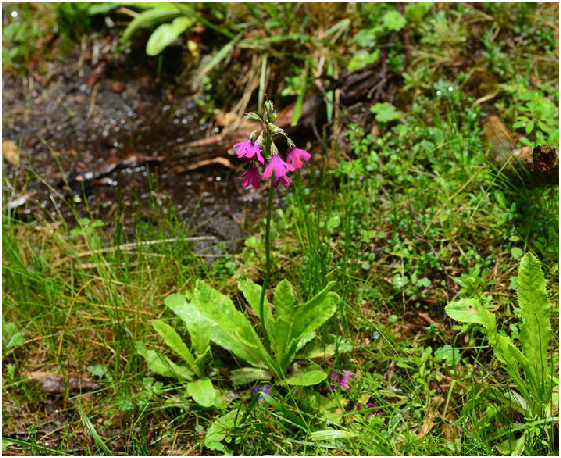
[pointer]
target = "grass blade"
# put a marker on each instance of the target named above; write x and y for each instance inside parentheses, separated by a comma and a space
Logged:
(97, 439)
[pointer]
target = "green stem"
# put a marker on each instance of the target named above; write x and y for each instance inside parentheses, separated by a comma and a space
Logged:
(268, 144)
(268, 264)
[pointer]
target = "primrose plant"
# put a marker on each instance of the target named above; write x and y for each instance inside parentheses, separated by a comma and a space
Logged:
(531, 367)
(286, 325)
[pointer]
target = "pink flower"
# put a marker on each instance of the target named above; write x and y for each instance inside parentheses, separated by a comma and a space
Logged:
(278, 166)
(249, 149)
(342, 378)
(251, 175)
(295, 155)
(285, 181)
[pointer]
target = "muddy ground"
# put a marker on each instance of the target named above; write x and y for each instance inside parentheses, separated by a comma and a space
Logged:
(95, 129)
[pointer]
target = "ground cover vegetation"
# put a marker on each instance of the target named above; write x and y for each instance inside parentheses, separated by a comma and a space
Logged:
(400, 299)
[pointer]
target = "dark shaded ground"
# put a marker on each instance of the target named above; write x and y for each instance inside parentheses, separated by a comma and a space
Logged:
(94, 111)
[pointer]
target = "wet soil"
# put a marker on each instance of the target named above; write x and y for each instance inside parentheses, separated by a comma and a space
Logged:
(94, 108)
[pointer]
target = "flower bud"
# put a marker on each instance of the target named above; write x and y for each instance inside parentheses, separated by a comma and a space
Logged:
(274, 129)
(253, 116)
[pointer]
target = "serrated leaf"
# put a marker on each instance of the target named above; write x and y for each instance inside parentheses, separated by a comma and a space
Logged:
(307, 378)
(202, 392)
(252, 293)
(283, 300)
(385, 112)
(160, 364)
(165, 34)
(195, 322)
(535, 334)
(229, 327)
(247, 375)
(393, 20)
(174, 341)
(147, 20)
(471, 311)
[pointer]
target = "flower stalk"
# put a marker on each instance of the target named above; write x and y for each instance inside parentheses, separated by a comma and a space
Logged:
(277, 168)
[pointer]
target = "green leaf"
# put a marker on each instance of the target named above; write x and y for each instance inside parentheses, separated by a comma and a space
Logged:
(417, 10)
(247, 375)
(307, 378)
(516, 252)
(165, 34)
(385, 112)
(308, 318)
(535, 334)
(11, 337)
(471, 311)
(331, 435)
(99, 370)
(284, 300)
(202, 392)
(252, 293)
(393, 20)
(147, 20)
(102, 8)
(281, 332)
(161, 365)
(448, 353)
(174, 341)
(220, 427)
(195, 322)
(230, 328)
(362, 58)
(90, 427)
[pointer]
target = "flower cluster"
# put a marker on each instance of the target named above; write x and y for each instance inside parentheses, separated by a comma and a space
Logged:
(341, 378)
(252, 151)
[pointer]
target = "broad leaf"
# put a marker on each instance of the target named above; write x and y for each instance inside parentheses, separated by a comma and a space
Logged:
(165, 34)
(284, 300)
(229, 327)
(281, 332)
(195, 322)
(147, 20)
(307, 378)
(471, 311)
(252, 293)
(174, 341)
(248, 375)
(202, 392)
(161, 365)
(535, 334)
(308, 318)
